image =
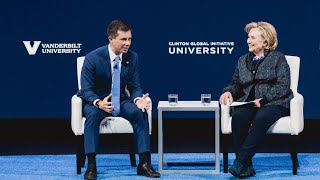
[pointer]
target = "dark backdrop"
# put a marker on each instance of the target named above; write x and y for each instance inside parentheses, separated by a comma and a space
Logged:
(41, 86)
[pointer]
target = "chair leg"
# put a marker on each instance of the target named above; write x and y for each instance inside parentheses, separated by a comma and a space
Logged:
(225, 153)
(293, 152)
(80, 156)
(132, 152)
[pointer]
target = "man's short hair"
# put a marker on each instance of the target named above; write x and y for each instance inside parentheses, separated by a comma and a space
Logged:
(117, 25)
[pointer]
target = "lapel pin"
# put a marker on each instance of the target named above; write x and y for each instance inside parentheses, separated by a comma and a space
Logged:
(127, 62)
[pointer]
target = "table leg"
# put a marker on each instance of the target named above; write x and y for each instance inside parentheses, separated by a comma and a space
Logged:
(217, 139)
(160, 141)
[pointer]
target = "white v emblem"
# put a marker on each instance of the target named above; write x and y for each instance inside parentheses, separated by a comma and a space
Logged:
(32, 49)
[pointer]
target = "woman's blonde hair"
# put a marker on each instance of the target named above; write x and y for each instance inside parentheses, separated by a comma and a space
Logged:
(268, 33)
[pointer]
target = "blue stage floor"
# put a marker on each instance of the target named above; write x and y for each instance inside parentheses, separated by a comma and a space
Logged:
(116, 166)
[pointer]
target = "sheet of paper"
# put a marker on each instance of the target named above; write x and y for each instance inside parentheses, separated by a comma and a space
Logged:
(240, 103)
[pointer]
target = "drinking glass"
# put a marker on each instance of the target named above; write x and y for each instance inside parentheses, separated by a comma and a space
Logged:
(206, 99)
(173, 99)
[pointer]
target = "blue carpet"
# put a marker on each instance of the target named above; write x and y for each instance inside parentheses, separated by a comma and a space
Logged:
(116, 166)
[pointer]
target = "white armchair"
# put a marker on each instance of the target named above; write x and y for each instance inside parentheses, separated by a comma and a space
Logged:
(291, 125)
(109, 125)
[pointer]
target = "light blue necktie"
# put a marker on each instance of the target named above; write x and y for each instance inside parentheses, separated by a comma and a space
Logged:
(116, 87)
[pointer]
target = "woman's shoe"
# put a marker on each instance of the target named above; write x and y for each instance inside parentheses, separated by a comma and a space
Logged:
(236, 168)
(247, 172)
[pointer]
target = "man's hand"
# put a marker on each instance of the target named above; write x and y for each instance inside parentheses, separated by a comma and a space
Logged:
(226, 98)
(105, 104)
(142, 103)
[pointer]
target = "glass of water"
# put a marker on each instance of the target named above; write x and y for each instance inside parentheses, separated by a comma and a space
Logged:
(206, 99)
(173, 99)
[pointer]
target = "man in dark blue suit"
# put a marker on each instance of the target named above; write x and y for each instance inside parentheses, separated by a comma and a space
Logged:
(102, 70)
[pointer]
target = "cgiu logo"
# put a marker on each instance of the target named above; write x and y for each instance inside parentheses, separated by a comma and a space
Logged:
(32, 49)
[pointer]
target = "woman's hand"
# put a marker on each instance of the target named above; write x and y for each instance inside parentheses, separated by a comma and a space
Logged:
(226, 98)
(257, 103)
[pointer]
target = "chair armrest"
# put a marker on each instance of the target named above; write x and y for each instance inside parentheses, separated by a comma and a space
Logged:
(149, 100)
(296, 113)
(149, 111)
(76, 114)
(225, 119)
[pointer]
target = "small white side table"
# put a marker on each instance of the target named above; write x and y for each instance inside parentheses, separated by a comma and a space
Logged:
(189, 106)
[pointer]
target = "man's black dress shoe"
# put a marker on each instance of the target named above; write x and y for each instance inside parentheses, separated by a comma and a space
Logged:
(147, 170)
(91, 173)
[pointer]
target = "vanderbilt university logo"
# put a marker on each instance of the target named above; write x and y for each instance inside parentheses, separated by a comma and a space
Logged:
(32, 49)
(52, 48)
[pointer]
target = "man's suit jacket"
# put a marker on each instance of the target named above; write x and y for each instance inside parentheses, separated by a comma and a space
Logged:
(96, 77)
